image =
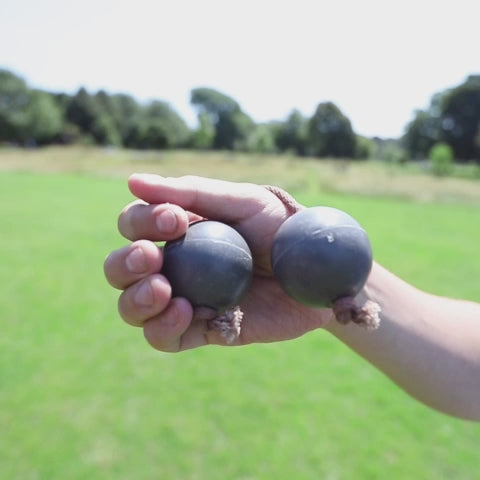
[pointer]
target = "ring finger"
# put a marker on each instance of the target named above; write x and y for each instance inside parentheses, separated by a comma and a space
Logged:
(144, 299)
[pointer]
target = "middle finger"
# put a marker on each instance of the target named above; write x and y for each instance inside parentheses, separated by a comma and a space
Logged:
(144, 299)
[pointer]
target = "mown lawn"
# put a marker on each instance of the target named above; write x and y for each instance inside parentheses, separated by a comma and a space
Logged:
(83, 396)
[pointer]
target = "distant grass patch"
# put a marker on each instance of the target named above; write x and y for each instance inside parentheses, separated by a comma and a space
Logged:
(411, 181)
(83, 396)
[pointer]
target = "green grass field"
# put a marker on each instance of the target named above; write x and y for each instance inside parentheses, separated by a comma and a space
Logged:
(82, 395)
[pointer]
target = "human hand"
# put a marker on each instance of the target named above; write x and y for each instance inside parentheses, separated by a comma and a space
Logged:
(163, 212)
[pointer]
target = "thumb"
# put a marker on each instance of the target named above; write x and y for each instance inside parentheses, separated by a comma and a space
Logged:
(210, 198)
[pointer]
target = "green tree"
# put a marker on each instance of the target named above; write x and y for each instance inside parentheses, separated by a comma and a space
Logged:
(93, 115)
(421, 133)
(212, 102)
(124, 113)
(292, 135)
(104, 131)
(44, 118)
(233, 131)
(330, 133)
(26, 116)
(232, 125)
(365, 148)
(461, 119)
(14, 100)
(160, 127)
(262, 139)
(83, 112)
(204, 135)
(452, 117)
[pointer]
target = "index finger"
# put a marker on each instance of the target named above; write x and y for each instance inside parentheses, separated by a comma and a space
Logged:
(207, 197)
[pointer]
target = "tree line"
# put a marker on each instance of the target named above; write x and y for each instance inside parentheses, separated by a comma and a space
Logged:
(453, 118)
(37, 117)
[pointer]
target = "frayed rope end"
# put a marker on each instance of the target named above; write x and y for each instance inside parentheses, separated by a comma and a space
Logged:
(346, 310)
(228, 325)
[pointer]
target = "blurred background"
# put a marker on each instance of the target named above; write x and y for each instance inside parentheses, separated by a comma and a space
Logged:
(372, 107)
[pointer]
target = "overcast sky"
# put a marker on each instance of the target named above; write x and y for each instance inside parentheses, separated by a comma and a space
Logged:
(377, 60)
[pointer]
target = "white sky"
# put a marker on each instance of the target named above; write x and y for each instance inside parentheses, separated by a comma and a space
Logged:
(377, 60)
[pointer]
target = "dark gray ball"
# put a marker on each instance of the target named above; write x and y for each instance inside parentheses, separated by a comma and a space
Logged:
(321, 254)
(211, 265)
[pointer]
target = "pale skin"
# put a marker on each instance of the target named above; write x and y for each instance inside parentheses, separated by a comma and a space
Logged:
(428, 345)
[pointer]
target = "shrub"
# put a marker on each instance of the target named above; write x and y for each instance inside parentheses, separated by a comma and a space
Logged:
(365, 148)
(442, 159)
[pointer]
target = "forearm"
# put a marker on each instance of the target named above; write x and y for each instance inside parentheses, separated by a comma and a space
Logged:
(428, 345)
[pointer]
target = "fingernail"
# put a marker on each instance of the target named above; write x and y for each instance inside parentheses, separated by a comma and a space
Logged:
(166, 221)
(144, 295)
(136, 261)
(150, 177)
